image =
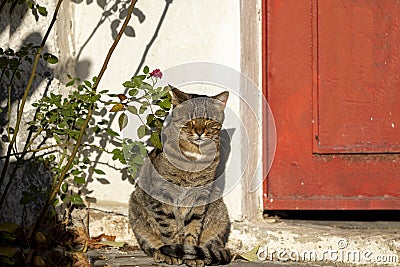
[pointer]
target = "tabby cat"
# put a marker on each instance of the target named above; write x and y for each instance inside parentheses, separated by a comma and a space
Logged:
(176, 211)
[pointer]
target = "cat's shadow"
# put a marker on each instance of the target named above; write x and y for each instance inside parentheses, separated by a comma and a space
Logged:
(225, 151)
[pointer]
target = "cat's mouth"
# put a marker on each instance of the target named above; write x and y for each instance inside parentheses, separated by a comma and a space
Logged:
(198, 140)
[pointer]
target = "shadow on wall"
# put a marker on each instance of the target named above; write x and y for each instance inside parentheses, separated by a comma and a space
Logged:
(115, 12)
(15, 69)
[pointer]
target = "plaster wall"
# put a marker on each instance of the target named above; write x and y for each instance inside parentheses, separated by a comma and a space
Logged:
(165, 34)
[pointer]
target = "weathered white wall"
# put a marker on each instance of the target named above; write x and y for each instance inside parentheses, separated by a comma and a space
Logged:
(190, 31)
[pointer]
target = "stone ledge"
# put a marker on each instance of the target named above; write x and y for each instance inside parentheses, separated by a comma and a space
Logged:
(338, 243)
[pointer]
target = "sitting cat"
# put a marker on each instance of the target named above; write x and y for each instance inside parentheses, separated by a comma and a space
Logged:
(177, 213)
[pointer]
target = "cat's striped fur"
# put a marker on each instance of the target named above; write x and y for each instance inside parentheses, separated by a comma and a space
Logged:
(176, 212)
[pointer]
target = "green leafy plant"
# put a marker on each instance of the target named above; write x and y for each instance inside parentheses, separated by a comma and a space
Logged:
(150, 104)
(60, 120)
(60, 129)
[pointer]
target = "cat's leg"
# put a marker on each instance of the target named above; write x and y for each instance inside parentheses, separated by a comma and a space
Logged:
(193, 225)
(153, 225)
(143, 225)
(185, 246)
(214, 234)
(165, 217)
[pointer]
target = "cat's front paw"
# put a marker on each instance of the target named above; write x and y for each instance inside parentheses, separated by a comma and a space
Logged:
(194, 263)
(161, 258)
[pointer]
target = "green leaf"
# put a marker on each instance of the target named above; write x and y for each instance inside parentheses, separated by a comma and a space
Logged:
(9, 227)
(112, 133)
(86, 160)
(161, 113)
(98, 171)
(122, 121)
(87, 83)
(8, 251)
(165, 104)
(133, 92)
(79, 180)
(26, 198)
(42, 10)
(95, 98)
(132, 109)
(142, 109)
(146, 70)
(96, 129)
(76, 172)
(155, 140)
(70, 83)
(80, 121)
(150, 119)
(64, 187)
(74, 134)
(138, 160)
(57, 138)
(141, 131)
(129, 84)
(137, 81)
(76, 199)
(52, 59)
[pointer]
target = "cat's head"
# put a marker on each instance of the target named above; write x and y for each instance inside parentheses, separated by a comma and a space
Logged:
(199, 117)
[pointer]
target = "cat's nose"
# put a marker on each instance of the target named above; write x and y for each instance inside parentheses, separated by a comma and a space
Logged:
(199, 132)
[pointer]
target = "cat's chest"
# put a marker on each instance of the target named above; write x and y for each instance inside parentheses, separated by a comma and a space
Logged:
(185, 176)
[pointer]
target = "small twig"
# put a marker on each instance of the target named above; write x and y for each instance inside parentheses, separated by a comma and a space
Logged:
(28, 145)
(9, 104)
(57, 145)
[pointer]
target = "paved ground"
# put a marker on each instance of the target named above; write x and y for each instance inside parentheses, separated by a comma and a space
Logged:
(325, 242)
(115, 258)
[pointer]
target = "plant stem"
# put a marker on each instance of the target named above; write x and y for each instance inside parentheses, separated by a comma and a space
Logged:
(28, 145)
(68, 165)
(25, 96)
(9, 105)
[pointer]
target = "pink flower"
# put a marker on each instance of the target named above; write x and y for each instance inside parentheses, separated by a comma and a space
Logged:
(156, 73)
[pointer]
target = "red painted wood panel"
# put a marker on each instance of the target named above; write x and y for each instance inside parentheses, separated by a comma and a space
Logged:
(325, 77)
(358, 69)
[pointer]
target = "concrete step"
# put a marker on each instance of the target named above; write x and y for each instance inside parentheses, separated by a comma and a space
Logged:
(334, 243)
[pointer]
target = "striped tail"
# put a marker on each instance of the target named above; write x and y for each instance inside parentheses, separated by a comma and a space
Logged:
(211, 254)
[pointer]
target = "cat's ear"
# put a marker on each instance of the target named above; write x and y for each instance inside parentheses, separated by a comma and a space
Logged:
(223, 98)
(177, 96)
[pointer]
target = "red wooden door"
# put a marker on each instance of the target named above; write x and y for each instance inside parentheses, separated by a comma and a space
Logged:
(332, 79)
